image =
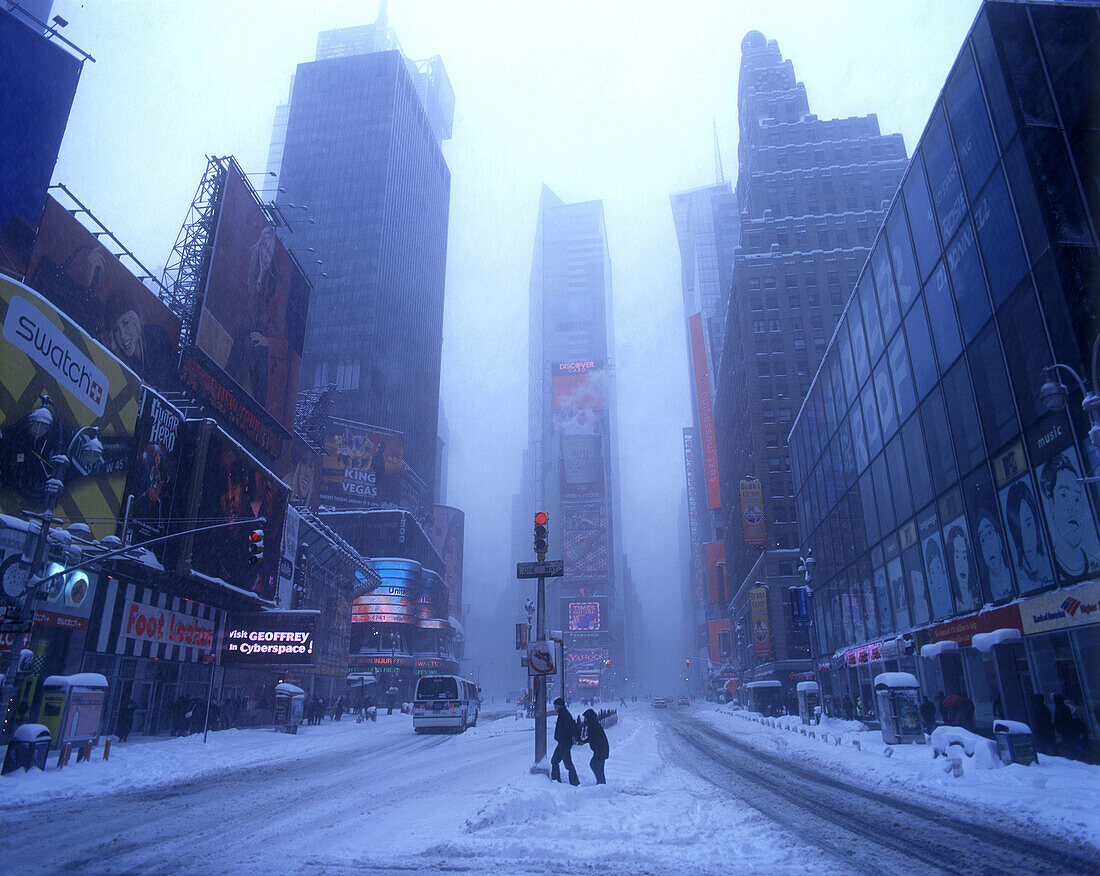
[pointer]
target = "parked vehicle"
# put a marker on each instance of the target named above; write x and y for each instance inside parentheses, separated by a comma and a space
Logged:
(660, 702)
(445, 702)
(683, 701)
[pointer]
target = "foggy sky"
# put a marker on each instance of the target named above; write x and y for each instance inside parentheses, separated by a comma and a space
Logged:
(610, 101)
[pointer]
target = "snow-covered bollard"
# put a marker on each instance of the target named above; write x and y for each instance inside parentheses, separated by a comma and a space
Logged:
(888, 751)
(954, 754)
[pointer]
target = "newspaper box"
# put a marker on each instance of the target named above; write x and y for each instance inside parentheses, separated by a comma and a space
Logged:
(1015, 743)
(30, 743)
(290, 701)
(72, 707)
(897, 695)
(809, 698)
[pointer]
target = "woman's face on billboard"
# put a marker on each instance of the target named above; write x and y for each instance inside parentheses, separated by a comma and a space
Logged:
(126, 334)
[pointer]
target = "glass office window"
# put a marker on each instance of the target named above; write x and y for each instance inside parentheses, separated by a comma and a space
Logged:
(999, 239)
(973, 135)
(870, 419)
(920, 350)
(870, 615)
(847, 452)
(847, 366)
(887, 294)
(901, 254)
(1026, 82)
(896, 580)
(1004, 119)
(991, 386)
(921, 220)
(937, 435)
(904, 393)
(883, 493)
(855, 597)
(869, 308)
(1055, 178)
(1025, 341)
(963, 414)
(1070, 41)
(859, 343)
(916, 462)
(941, 313)
(1026, 201)
(968, 281)
(885, 395)
(869, 507)
(896, 465)
(882, 598)
(859, 436)
(943, 175)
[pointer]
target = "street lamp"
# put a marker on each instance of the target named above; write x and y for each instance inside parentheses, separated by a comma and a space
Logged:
(1054, 395)
(807, 565)
(84, 452)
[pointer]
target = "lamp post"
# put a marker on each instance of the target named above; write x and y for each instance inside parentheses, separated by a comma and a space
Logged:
(807, 565)
(85, 451)
(1054, 395)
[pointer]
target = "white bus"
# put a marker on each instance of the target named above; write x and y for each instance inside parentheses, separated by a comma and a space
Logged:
(445, 702)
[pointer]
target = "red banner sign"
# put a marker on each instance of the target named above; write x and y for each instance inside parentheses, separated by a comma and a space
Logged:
(706, 414)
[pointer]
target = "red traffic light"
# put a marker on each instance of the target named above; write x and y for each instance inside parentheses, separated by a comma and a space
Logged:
(541, 518)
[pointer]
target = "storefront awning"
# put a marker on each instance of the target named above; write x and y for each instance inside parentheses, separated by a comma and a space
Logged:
(929, 652)
(984, 642)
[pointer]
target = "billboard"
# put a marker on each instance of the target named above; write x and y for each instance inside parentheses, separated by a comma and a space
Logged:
(154, 474)
(299, 468)
(761, 627)
(752, 512)
(448, 538)
(585, 614)
(252, 320)
(584, 540)
(580, 414)
(695, 502)
(37, 85)
(706, 413)
(716, 570)
(362, 466)
(236, 487)
(288, 553)
(80, 277)
(270, 638)
(42, 351)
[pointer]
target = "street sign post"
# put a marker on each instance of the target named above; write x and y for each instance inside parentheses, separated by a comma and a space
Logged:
(545, 569)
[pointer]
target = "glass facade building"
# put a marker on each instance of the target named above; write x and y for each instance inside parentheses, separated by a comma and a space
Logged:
(942, 499)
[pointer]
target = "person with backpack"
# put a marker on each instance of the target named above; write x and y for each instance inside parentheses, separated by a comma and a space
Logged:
(597, 741)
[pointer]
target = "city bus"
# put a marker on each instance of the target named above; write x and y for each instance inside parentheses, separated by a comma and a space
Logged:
(445, 702)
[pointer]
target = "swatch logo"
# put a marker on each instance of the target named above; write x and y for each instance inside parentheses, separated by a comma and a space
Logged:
(28, 329)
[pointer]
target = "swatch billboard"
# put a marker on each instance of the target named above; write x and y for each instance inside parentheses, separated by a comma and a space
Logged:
(252, 319)
(37, 85)
(43, 351)
(80, 276)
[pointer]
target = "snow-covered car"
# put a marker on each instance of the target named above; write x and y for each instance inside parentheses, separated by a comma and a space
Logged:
(660, 703)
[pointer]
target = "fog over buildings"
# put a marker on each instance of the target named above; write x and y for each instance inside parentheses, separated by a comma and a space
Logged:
(612, 102)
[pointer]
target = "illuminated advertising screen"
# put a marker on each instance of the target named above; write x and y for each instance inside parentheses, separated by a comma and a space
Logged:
(580, 415)
(77, 273)
(154, 475)
(236, 487)
(270, 638)
(37, 85)
(42, 351)
(585, 614)
(448, 535)
(584, 540)
(252, 320)
(362, 466)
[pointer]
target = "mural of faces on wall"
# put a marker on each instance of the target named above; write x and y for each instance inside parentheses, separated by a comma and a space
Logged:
(1069, 519)
(1030, 554)
(992, 556)
(960, 566)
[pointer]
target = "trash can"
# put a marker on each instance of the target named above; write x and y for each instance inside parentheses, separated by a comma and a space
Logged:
(897, 697)
(1015, 742)
(289, 706)
(809, 697)
(28, 748)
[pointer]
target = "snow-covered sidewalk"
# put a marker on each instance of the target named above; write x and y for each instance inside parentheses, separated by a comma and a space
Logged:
(1057, 795)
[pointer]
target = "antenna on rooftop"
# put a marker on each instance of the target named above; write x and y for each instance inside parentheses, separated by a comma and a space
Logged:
(719, 177)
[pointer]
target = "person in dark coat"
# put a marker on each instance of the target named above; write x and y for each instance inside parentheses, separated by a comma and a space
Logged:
(1063, 726)
(597, 741)
(928, 715)
(1041, 725)
(964, 714)
(849, 709)
(564, 730)
(125, 719)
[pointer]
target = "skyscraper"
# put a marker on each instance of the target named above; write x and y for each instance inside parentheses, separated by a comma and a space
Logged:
(571, 462)
(708, 230)
(812, 194)
(364, 185)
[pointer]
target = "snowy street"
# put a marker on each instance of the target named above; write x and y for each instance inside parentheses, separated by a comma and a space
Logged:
(691, 790)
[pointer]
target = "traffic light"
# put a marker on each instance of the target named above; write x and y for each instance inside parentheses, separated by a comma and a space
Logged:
(255, 546)
(687, 661)
(541, 533)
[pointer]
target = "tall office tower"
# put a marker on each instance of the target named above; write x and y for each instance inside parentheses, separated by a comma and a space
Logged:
(361, 150)
(708, 229)
(571, 463)
(812, 195)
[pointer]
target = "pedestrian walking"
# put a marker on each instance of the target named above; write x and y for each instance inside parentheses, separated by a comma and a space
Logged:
(849, 709)
(928, 715)
(964, 714)
(622, 702)
(391, 699)
(564, 729)
(597, 741)
(1041, 725)
(125, 719)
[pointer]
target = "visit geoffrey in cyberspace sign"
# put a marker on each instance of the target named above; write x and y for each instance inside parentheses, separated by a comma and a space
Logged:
(281, 638)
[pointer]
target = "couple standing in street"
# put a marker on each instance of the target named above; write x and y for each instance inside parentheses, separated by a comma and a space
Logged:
(566, 733)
